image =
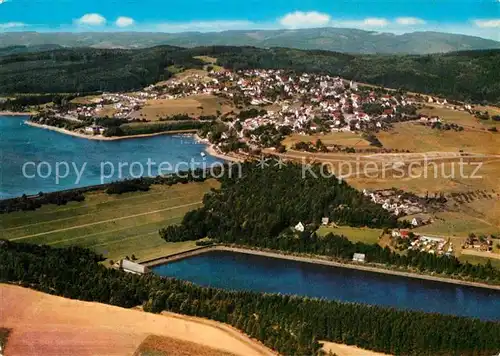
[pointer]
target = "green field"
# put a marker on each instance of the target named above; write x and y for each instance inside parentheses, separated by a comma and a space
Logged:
(475, 260)
(114, 225)
(355, 234)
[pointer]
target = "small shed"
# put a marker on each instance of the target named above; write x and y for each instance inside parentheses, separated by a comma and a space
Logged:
(325, 221)
(359, 257)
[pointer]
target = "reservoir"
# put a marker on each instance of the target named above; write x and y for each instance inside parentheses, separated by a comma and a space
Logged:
(32, 147)
(239, 271)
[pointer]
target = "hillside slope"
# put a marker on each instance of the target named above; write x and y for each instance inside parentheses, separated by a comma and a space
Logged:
(328, 38)
(467, 75)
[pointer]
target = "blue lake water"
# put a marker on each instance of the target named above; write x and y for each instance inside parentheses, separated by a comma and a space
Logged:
(240, 271)
(21, 144)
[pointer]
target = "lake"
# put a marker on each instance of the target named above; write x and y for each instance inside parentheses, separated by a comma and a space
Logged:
(239, 271)
(43, 153)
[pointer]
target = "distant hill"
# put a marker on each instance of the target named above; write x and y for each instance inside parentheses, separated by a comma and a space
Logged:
(466, 75)
(4, 51)
(331, 39)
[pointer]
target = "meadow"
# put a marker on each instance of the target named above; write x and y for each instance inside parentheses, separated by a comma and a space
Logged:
(419, 138)
(194, 106)
(347, 139)
(113, 225)
(355, 234)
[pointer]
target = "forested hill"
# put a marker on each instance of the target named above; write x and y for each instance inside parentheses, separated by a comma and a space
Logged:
(326, 38)
(470, 75)
(89, 70)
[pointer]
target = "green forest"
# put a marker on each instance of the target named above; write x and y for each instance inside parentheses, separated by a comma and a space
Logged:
(88, 69)
(288, 324)
(468, 75)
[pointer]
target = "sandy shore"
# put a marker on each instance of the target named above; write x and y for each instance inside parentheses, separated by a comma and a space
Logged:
(13, 113)
(212, 151)
(323, 261)
(104, 138)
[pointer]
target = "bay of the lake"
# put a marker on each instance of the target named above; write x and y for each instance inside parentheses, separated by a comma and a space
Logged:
(21, 144)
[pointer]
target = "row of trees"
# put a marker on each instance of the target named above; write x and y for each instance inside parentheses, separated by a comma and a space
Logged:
(25, 203)
(20, 102)
(33, 202)
(128, 185)
(150, 128)
(290, 325)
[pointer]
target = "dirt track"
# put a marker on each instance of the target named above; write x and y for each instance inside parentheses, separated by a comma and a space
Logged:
(47, 325)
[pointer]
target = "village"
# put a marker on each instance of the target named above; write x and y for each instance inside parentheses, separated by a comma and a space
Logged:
(301, 103)
(402, 203)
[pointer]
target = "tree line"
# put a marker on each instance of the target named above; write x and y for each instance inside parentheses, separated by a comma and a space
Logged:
(36, 201)
(150, 128)
(25, 203)
(290, 325)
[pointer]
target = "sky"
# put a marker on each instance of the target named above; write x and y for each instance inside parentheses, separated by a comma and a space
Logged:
(472, 17)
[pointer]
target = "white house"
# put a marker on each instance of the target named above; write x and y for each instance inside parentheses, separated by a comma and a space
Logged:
(299, 227)
(325, 221)
(416, 222)
(359, 257)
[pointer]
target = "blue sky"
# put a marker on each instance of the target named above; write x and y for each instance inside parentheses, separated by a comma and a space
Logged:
(475, 17)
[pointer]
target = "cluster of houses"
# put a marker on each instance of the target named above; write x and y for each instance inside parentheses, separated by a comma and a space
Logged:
(429, 244)
(125, 104)
(298, 99)
(481, 243)
(397, 204)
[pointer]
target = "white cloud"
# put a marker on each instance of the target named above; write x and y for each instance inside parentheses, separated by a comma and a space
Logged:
(4, 1)
(10, 25)
(91, 20)
(204, 26)
(299, 19)
(375, 22)
(409, 21)
(369, 22)
(123, 21)
(487, 23)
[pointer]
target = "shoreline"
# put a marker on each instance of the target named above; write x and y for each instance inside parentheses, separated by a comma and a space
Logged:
(317, 260)
(103, 138)
(15, 113)
(210, 149)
